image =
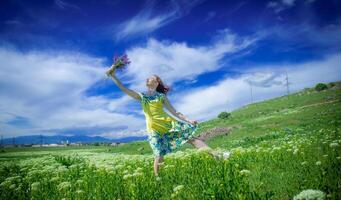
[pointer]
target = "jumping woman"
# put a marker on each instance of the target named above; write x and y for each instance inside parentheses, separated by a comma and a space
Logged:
(166, 133)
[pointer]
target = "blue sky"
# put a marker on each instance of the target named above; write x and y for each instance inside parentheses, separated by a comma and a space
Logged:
(54, 54)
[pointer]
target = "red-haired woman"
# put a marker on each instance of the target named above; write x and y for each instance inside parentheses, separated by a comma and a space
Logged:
(165, 132)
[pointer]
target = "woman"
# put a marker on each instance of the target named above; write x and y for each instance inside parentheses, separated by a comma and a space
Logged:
(165, 132)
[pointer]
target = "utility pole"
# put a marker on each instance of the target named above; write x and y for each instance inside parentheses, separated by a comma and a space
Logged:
(13, 141)
(251, 93)
(41, 140)
(287, 82)
(2, 140)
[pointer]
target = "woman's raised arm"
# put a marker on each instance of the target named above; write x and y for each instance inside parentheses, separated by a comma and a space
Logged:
(128, 91)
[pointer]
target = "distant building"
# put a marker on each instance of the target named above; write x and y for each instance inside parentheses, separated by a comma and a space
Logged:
(114, 144)
(75, 144)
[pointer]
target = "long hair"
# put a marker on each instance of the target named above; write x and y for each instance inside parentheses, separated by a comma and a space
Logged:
(161, 86)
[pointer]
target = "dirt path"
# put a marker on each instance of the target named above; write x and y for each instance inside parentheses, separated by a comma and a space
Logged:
(213, 132)
(321, 103)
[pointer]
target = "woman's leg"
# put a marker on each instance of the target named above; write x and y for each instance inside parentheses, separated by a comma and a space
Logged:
(200, 144)
(157, 160)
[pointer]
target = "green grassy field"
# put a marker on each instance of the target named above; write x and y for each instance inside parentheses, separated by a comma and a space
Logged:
(282, 146)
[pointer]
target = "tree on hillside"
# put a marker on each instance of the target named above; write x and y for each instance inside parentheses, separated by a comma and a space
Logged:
(224, 115)
(321, 86)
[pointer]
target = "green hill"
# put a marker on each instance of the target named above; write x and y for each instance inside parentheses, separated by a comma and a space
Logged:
(307, 108)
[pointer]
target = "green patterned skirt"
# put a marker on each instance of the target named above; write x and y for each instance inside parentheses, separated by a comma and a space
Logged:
(178, 135)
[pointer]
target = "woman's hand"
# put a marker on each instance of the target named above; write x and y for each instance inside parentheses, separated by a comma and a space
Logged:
(193, 122)
(111, 71)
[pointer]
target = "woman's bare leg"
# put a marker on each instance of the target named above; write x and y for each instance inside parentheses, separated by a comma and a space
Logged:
(199, 144)
(157, 160)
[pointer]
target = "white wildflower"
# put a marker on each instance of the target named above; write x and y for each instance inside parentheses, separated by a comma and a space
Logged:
(178, 188)
(127, 176)
(13, 186)
(310, 194)
(54, 179)
(79, 191)
(295, 151)
(334, 145)
(245, 172)
(35, 186)
(64, 185)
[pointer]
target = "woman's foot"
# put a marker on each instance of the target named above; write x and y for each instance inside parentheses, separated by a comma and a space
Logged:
(226, 154)
(218, 154)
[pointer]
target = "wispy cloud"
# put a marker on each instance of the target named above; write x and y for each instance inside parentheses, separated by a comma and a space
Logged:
(65, 5)
(306, 34)
(265, 79)
(210, 16)
(147, 20)
(234, 8)
(281, 5)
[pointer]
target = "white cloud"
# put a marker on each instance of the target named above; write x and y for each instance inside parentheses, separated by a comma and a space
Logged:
(46, 90)
(288, 2)
(174, 61)
(64, 5)
(305, 34)
(210, 16)
(268, 82)
(147, 21)
(279, 6)
(262, 79)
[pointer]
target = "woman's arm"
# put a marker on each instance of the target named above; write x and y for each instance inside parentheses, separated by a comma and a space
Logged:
(129, 92)
(176, 113)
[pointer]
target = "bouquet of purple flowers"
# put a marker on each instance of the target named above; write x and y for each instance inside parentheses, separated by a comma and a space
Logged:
(119, 63)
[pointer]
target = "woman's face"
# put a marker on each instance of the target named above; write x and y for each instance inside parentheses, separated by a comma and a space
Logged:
(151, 82)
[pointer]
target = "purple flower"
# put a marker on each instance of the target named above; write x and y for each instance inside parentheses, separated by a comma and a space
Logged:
(121, 62)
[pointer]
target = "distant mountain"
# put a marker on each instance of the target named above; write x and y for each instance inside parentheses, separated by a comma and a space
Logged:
(55, 139)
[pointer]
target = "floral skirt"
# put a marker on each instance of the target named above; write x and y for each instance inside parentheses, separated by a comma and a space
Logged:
(179, 134)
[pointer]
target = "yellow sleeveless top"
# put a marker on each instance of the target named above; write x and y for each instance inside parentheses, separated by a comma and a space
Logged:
(156, 118)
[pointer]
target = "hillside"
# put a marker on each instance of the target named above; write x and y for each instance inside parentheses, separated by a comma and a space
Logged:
(300, 109)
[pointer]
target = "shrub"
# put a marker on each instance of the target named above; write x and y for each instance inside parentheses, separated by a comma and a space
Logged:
(224, 115)
(320, 87)
(331, 84)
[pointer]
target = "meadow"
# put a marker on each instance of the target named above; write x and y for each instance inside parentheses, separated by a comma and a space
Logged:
(283, 146)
